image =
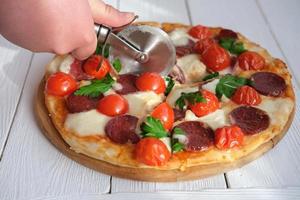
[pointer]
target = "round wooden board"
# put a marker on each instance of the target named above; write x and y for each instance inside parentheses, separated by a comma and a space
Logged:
(142, 174)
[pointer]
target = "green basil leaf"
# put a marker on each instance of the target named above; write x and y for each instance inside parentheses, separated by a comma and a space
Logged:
(117, 64)
(170, 85)
(211, 76)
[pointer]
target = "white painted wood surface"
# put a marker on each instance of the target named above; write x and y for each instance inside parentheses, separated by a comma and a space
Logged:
(31, 168)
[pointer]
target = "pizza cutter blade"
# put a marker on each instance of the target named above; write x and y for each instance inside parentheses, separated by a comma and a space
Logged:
(141, 49)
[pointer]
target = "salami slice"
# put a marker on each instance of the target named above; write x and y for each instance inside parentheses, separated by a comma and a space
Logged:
(121, 129)
(77, 72)
(199, 138)
(178, 114)
(76, 103)
(268, 83)
(250, 119)
(127, 82)
(185, 50)
(177, 74)
(227, 33)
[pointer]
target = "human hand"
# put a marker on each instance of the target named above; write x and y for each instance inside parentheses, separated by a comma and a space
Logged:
(58, 26)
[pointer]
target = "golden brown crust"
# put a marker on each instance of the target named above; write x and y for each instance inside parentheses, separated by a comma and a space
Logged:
(122, 154)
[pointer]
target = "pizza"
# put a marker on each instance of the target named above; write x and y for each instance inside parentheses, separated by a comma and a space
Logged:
(225, 97)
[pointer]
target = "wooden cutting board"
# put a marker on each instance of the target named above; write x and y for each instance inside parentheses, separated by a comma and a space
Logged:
(190, 173)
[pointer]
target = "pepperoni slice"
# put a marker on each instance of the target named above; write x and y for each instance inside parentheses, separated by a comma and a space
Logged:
(178, 114)
(227, 33)
(121, 129)
(77, 72)
(76, 103)
(185, 50)
(199, 138)
(177, 74)
(250, 119)
(268, 83)
(127, 82)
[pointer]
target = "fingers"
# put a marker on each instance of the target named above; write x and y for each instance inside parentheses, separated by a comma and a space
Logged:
(85, 51)
(108, 15)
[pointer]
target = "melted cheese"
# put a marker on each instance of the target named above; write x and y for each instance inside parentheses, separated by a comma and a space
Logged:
(87, 123)
(211, 86)
(61, 65)
(142, 102)
(180, 37)
(176, 93)
(192, 67)
(181, 138)
(53, 66)
(214, 120)
(65, 65)
(167, 142)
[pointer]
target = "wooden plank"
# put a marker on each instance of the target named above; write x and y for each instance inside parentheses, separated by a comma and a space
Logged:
(162, 11)
(283, 20)
(14, 64)
(31, 166)
(278, 167)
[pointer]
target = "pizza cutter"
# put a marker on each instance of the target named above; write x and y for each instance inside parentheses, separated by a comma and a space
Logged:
(140, 48)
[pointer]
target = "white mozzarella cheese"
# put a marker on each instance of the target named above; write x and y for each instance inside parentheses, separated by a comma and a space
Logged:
(176, 93)
(181, 138)
(108, 92)
(53, 66)
(87, 123)
(167, 142)
(192, 67)
(180, 37)
(142, 102)
(228, 70)
(84, 83)
(211, 86)
(117, 86)
(65, 65)
(215, 120)
(277, 108)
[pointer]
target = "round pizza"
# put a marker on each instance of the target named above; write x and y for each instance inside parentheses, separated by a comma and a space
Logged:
(225, 97)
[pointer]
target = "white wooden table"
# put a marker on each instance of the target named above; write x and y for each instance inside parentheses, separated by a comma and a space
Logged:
(31, 168)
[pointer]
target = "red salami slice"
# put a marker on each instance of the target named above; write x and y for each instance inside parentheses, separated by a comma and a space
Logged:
(199, 138)
(227, 33)
(250, 119)
(177, 74)
(185, 50)
(127, 82)
(77, 72)
(81, 103)
(178, 114)
(121, 129)
(268, 83)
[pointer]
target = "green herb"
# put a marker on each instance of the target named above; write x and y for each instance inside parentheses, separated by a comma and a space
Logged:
(178, 131)
(191, 97)
(99, 50)
(211, 76)
(153, 128)
(96, 87)
(228, 84)
(170, 85)
(232, 46)
(117, 64)
(177, 146)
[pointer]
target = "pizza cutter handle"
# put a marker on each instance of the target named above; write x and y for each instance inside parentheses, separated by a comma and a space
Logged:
(105, 35)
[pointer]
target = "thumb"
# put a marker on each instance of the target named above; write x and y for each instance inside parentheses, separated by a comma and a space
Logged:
(108, 15)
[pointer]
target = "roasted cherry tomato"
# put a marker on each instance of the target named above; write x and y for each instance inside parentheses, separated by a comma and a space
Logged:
(113, 105)
(60, 84)
(229, 137)
(200, 32)
(203, 108)
(216, 58)
(151, 151)
(150, 81)
(246, 95)
(165, 114)
(202, 45)
(91, 65)
(250, 60)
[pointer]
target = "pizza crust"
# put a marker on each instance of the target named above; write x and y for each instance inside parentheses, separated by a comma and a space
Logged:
(103, 149)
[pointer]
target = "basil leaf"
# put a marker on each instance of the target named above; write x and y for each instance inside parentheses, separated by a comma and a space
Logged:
(117, 64)
(228, 84)
(153, 128)
(177, 146)
(211, 76)
(232, 46)
(178, 131)
(170, 85)
(191, 97)
(99, 50)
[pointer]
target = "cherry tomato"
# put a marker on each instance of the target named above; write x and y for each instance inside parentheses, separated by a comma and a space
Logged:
(151, 151)
(203, 108)
(91, 64)
(246, 95)
(113, 105)
(229, 137)
(200, 32)
(60, 84)
(165, 114)
(202, 45)
(216, 58)
(250, 60)
(150, 81)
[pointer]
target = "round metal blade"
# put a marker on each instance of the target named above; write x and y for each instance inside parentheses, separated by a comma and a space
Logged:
(150, 40)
